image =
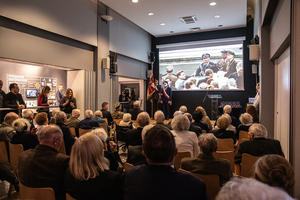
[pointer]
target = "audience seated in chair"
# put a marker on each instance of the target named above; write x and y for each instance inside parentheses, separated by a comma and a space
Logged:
(193, 128)
(197, 116)
(258, 145)
(106, 114)
(69, 138)
(159, 118)
(6, 129)
(41, 120)
(88, 122)
(227, 110)
(159, 180)
(275, 171)
(73, 121)
(44, 166)
(136, 110)
(88, 175)
(246, 120)
(205, 163)
(113, 155)
(117, 114)
(205, 118)
(126, 120)
(183, 109)
(250, 189)
(28, 114)
(222, 133)
(230, 127)
(134, 135)
(98, 117)
(253, 112)
(27, 139)
(185, 140)
(52, 120)
(135, 153)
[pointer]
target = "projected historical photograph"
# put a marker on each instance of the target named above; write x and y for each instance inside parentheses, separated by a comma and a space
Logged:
(206, 68)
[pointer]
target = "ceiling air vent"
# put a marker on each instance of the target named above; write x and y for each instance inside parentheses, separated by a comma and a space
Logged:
(195, 29)
(188, 20)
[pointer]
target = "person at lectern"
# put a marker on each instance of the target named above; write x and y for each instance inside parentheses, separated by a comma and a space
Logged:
(68, 103)
(207, 64)
(166, 99)
(14, 99)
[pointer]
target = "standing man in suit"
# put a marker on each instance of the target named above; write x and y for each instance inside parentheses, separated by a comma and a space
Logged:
(207, 64)
(14, 99)
(232, 63)
(166, 99)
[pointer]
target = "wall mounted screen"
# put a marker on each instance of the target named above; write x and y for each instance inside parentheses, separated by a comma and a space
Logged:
(210, 65)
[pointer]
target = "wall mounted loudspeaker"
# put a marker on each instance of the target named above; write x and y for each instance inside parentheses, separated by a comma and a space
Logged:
(253, 52)
(105, 63)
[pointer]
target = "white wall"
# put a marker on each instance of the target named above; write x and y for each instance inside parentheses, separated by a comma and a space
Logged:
(76, 19)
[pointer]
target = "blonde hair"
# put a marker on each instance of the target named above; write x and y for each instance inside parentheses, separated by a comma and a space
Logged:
(87, 157)
(276, 171)
(183, 109)
(202, 110)
(98, 113)
(223, 122)
(126, 117)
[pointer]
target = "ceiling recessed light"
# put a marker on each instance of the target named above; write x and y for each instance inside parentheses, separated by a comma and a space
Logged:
(150, 13)
(162, 24)
(220, 25)
(212, 3)
(217, 16)
(135, 1)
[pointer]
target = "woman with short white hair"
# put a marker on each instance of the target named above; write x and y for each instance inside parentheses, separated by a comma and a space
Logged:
(246, 120)
(88, 175)
(185, 140)
(126, 120)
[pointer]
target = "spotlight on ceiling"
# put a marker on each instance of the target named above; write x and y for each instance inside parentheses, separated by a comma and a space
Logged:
(135, 1)
(212, 3)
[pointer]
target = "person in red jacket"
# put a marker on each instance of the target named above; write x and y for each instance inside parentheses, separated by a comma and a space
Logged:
(43, 101)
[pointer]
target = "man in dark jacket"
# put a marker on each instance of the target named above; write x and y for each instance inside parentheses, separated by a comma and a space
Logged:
(14, 99)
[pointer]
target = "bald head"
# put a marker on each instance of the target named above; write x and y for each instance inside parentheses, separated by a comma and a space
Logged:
(143, 119)
(10, 117)
(51, 136)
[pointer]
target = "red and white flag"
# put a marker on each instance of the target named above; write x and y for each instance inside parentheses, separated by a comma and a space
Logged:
(151, 86)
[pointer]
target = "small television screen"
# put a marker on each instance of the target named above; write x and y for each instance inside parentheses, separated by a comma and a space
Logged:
(31, 93)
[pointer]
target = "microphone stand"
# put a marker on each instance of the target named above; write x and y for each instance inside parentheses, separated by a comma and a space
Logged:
(205, 96)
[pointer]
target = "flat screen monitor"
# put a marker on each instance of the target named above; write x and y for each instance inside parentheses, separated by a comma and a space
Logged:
(31, 93)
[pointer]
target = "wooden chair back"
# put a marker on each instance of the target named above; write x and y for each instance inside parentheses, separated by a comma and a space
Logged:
(243, 135)
(228, 155)
(105, 120)
(127, 166)
(225, 145)
(14, 153)
(3, 154)
(178, 158)
(68, 197)
(118, 121)
(104, 126)
(73, 130)
(83, 131)
(36, 193)
(62, 148)
(212, 183)
(247, 164)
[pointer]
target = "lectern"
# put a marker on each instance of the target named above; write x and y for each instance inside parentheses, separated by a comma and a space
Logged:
(214, 105)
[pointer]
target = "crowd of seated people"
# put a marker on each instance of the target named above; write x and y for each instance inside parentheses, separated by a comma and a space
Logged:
(90, 170)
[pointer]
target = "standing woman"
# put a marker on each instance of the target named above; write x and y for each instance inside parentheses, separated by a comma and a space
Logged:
(59, 94)
(43, 101)
(68, 103)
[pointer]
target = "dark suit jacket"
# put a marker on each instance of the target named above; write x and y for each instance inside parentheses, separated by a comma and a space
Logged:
(134, 113)
(27, 139)
(107, 186)
(88, 123)
(43, 167)
(195, 129)
(106, 114)
(224, 134)
(135, 155)
(207, 164)
(134, 136)
(160, 183)
(258, 147)
(69, 138)
(203, 126)
(10, 101)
